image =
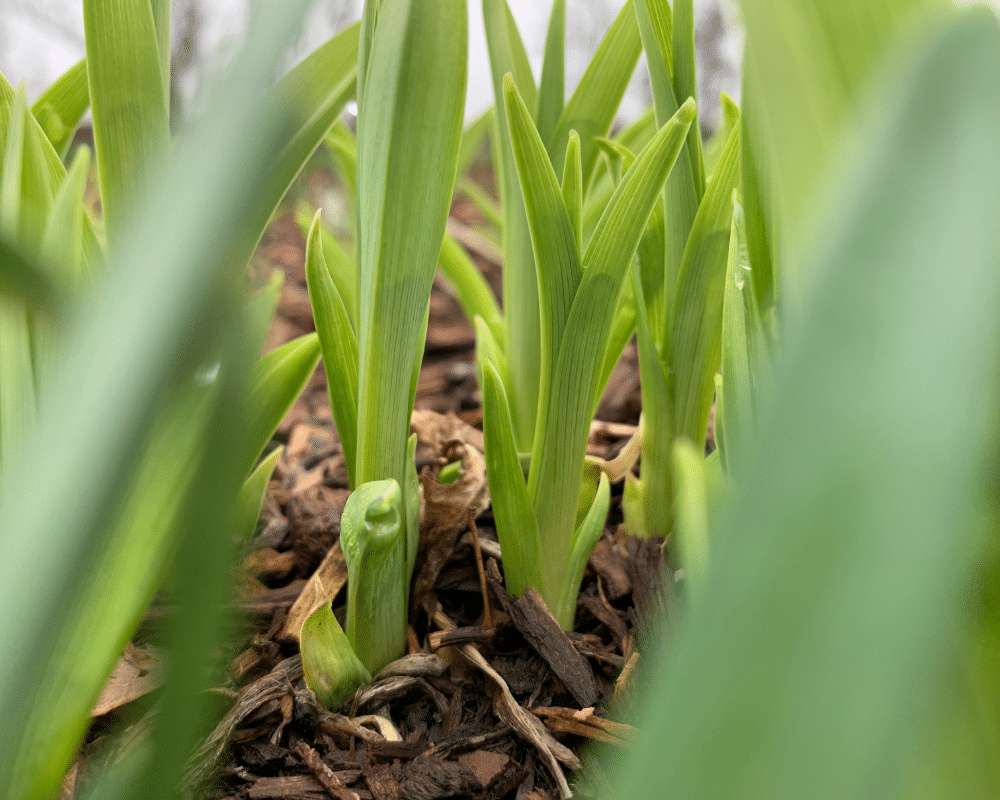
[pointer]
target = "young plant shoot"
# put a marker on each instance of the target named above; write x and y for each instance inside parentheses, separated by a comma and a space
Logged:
(547, 526)
(411, 81)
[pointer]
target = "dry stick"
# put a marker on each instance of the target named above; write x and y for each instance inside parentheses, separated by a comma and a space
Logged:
(321, 772)
(487, 609)
(523, 723)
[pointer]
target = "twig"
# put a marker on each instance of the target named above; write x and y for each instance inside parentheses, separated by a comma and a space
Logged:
(321, 772)
(523, 723)
(487, 608)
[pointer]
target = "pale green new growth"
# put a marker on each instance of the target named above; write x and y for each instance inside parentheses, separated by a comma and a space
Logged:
(332, 670)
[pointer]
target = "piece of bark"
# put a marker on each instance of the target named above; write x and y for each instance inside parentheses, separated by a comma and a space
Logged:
(472, 634)
(429, 778)
(606, 614)
(529, 614)
(336, 788)
(395, 688)
(586, 723)
(520, 721)
(486, 765)
(324, 585)
(382, 784)
(297, 786)
(268, 564)
(271, 600)
(609, 561)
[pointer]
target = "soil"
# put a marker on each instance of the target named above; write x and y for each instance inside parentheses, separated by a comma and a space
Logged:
(493, 700)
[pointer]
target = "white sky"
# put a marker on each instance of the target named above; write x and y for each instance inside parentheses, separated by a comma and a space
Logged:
(39, 39)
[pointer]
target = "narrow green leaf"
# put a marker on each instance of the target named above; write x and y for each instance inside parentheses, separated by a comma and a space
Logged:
(277, 379)
(486, 205)
(416, 83)
(686, 84)
(586, 537)
(715, 145)
(488, 348)
(167, 276)
(343, 147)
(746, 362)
(251, 496)
(315, 90)
(552, 236)
(829, 614)
(474, 139)
(129, 106)
(62, 105)
(473, 292)
(339, 346)
(260, 308)
(656, 22)
(572, 188)
(690, 534)
(621, 332)
(62, 246)
(596, 195)
(516, 526)
(552, 85)
(649, 512)
(754, 195)
(411, 507)
(697, 319)
(520, 282)
(332, 670)
(591, 109)
(340, 264)
(560, 445)
(681, 195)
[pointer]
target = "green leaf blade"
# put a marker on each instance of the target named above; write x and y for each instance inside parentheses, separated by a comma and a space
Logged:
(697, 317)
(62, 105)
(557, 458)
(552, 235)
(405, 183)
(339, 346)
(129, 105)
(276, 380)
(591, 109)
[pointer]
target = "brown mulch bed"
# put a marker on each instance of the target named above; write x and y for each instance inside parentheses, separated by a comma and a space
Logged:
(493, 700)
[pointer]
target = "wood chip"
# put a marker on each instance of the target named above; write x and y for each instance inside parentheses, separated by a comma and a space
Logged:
(587, 724)
(532, 618)
(268, 564)
(324, 585)
(297, 786)
(487, 765)
(609, 561)
(322, 773)
(520, 721)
